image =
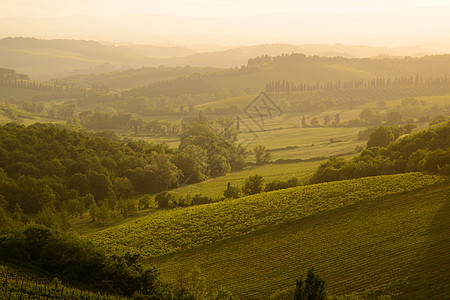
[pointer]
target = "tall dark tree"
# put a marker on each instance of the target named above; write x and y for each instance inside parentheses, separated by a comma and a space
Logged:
(313, 288)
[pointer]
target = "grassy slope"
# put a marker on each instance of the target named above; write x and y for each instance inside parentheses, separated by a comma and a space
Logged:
(241, 102)
(214, 187)
(175, 230)
(395, 244)
(306, 143)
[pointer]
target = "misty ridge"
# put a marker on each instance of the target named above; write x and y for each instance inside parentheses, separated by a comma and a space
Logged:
(190, 150)
(44, 59)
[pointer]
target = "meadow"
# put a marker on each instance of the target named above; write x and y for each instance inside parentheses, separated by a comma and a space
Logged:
(305, 143)
(214, 187)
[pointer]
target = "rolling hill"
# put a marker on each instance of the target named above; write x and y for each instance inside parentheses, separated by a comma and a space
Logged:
(132, 78)
(342, 228)
(394, 245)
(45, 59)
(301, 69)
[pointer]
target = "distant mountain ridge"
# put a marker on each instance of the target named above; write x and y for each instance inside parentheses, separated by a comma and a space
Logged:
(45, 59)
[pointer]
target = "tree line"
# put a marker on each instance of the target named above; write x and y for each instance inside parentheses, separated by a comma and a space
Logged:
(288, 87)
(10, 78)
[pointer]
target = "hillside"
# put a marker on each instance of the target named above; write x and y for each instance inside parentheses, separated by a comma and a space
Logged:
(277, 222)
(180, 229)
(132, 78)
(45, 59)
(395, 245)
(307, 70)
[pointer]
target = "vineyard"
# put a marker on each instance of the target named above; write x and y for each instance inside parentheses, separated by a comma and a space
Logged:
(15, 284)
(180, 229)
(393, 245)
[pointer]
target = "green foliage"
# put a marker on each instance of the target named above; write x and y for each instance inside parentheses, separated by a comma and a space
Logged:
(73, 259)
(313, 288)
(193, 162)
(232, 192)
(53, 166)
(145, 201)
(164, 199)
(49, 170)
(26, 284)
(253, 185)
(128, 207)
(222, 153)
(426, 150)
(280, 184)
(381, 137)
(261, 155)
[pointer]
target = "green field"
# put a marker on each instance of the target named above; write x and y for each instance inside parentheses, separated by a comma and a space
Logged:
(305, 143)
(174, 230)
(214, 187)
(241, 102)
(379, 246)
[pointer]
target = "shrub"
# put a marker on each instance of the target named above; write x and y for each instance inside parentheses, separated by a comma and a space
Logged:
(253, 185)
(233, 192)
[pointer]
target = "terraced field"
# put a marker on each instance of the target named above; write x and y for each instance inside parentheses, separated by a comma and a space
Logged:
(389, 245)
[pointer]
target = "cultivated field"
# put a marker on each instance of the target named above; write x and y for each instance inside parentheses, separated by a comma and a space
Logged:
(175, 230)
(395, 245)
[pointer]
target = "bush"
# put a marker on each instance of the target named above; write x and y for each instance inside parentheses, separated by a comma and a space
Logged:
(145, 201)
(128, 207)
(199, 199)
(261, 155)
(233, 192)
(253, 185)
(164, 199)
(278, 184)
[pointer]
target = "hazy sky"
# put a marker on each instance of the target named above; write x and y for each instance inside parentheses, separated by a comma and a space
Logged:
(197, 8)
(233, 22)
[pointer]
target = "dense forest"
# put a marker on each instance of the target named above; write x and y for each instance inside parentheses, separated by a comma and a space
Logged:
(46, 170)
